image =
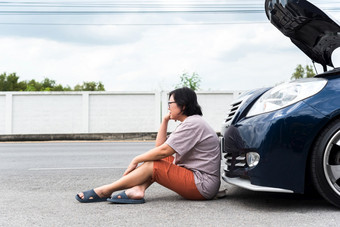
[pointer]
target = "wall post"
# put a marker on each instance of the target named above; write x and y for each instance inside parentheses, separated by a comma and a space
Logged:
(9, 113)
(85, 112)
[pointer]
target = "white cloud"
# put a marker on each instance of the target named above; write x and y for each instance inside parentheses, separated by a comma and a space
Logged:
(227, 57)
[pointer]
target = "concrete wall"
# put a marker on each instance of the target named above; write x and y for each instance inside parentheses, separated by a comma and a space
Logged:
(97, 112)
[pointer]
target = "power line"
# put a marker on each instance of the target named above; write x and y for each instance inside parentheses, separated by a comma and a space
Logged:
(124, 7)
(134, 24)
(137, 7)
(140, 8)
(131, 8)
(128, 12)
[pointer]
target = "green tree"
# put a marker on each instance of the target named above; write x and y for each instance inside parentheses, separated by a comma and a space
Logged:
(51, 85)
(301, 72)
(191, 81)
(48, 84)
(11, 83)
(90, 86)
(309, 71)
(33, 85)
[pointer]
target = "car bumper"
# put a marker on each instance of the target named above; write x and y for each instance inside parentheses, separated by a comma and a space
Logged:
(281, 138)
(244, 183)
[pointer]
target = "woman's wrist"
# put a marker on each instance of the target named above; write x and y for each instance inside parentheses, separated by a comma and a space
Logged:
(136, 160)
(166, 120)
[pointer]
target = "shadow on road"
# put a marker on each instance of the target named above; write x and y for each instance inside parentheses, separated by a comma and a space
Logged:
(273, 202)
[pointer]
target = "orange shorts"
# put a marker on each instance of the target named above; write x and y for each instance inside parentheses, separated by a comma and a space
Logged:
(176, 178)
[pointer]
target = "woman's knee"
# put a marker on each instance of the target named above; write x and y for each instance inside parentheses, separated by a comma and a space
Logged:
(148, 165)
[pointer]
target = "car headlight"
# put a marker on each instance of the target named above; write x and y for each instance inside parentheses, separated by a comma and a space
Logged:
(287, 94)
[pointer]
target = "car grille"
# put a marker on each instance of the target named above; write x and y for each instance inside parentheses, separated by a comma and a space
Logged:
(235, 164)
(238, 161)
(232, 110)
(233, 157)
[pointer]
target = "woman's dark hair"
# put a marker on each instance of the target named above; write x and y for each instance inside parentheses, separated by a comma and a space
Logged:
(186, 99)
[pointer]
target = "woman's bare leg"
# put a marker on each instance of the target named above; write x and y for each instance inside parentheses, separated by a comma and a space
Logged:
(137, 181)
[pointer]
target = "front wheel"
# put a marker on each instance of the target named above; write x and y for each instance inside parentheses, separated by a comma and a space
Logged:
(325, 163)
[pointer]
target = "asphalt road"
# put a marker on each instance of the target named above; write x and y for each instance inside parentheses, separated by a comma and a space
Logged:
(38, 182)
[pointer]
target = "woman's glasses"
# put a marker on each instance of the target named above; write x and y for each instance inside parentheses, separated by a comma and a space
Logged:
(170, 103)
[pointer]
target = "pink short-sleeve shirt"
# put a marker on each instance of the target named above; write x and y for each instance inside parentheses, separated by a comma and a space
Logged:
(197, 149)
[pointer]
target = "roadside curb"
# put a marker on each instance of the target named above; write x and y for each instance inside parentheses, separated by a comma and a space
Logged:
(82, 136)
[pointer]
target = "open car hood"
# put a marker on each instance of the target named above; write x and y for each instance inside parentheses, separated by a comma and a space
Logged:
(307, 26)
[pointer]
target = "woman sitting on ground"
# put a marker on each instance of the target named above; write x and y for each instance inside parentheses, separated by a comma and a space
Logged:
(194, 170)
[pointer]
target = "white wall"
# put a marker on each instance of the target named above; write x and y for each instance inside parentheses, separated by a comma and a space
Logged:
(98, 112)
(40, 114)
(123, 112)
(2, 114)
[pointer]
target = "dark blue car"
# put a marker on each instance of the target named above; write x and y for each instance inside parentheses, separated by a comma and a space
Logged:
(287, 138)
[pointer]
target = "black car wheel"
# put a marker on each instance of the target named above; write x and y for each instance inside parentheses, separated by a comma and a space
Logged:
(325, 163)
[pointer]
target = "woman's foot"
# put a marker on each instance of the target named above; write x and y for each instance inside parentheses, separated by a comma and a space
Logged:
(122, 198)
(101, 192)
(89, 196)
(136, 192)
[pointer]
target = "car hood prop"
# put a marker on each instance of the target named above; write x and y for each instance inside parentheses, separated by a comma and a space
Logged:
(309, 28)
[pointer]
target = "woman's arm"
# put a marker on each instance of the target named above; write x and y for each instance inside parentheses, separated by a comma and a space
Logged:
(161, 150)
(162, 132)
(154, 154)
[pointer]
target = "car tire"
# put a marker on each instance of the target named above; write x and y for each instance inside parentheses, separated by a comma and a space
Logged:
(325, 163)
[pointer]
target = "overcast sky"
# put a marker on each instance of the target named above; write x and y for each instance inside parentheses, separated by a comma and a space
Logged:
(231, 45)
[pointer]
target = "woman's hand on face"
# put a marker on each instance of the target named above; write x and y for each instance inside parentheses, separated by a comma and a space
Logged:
(133, 165)
(167, 117)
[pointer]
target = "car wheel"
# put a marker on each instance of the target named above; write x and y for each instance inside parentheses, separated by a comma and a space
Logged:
(325, 163)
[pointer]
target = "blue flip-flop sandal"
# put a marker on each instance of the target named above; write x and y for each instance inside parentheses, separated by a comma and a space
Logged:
(122, 198)
(90, 196)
